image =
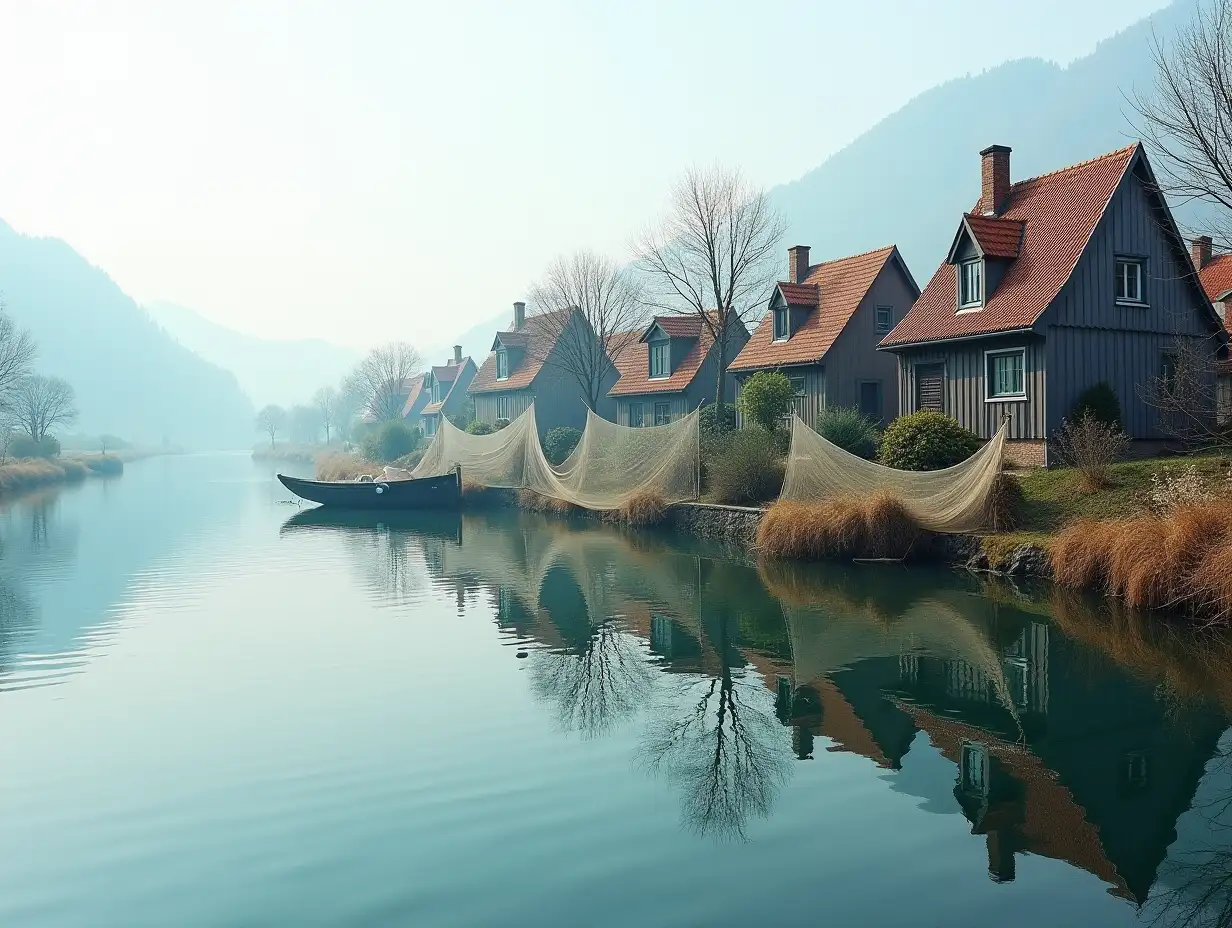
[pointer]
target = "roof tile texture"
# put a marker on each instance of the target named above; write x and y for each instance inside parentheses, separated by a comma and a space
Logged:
(538, 336)
(633, 361)
(1216, 280)
(997, 237)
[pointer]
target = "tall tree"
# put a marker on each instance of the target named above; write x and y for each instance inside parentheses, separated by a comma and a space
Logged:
(305, 424)
(381, 378)
(714, 255)
(271, 420)
(1187, 118)
(17, 351)
(41, 403)
(326, 402)
(603, 296)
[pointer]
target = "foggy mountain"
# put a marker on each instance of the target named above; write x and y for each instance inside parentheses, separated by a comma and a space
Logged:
(132, 379)
(268, 370)
(908, 178)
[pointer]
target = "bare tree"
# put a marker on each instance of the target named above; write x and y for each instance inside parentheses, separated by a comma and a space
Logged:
(17, 351)
(305, 424)
(1188, 118)
(1185, 393)
(603, 295)
(271, 420)
(327, 404)
(714, 256)
(41, 403)
(381, 378)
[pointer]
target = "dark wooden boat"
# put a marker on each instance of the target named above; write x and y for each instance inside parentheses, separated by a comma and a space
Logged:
(427, 523)
(420, 493)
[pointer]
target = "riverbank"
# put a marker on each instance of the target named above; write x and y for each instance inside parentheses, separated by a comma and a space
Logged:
(296, 454)
(21, 476)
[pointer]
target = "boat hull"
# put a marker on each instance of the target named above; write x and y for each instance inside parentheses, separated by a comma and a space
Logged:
(421, 493)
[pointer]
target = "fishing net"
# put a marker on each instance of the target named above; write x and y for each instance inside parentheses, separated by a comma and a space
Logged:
(951, 500)
(611, 464)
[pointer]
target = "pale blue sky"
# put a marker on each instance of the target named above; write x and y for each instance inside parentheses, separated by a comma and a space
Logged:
(362, 171)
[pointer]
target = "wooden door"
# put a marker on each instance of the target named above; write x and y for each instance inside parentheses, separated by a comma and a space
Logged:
(930, 387)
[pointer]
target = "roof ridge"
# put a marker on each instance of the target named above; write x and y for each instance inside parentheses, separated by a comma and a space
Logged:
(862, 254)
(1077, 164)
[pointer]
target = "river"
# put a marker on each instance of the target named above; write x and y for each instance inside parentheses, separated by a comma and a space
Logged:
(218, 709)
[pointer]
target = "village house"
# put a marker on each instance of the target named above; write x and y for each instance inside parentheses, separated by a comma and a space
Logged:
(672, 369)
(1215, 273)
(529, 364)
(1052, 285)
(412, 406)
(446, 387)
(823, 327)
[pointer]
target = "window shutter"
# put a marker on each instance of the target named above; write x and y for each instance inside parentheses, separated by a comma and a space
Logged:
(929, 384)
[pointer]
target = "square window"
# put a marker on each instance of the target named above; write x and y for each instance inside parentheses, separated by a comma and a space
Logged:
(659, 358)
(635, 415)
(1005, 374)
(971, 283)
(662, 413)
(502, 365)
(781, 329)
(885, 318)
(797, 385)
(1128, 281)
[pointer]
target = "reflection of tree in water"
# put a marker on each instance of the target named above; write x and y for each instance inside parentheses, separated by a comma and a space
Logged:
(595, 688)
(388, 559)
(17, 617)
(725, 750)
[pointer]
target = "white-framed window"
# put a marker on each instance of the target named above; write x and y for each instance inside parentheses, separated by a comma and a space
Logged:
(636, 419)
(975, 768)
(662, 413)
(659, 364)
(1129, 280)
(429, 426)
(502, 407)
(1005, 374)
(502, 364)
(781, 328)
(1135, 771)
(971, 283)
(885, 318)
(436, 390)
(797, 384)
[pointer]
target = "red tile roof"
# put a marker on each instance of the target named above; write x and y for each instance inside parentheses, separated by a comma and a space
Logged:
(633, 361)
(454, 372)
(1216, 280)
(1061, 211)
(997, 237)
(414, 387)
(841, 285)
(537, 337)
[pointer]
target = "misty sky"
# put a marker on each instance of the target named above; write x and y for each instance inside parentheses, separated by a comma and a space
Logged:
(361, 171)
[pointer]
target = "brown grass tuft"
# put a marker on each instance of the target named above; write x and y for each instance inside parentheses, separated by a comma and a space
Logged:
(642, 509)
(342, 466)
(472, 487)
(878, 527)
(535, 502)
(1003, 510)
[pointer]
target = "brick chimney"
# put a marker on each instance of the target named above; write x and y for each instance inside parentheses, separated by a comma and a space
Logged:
(994, 179)
(457, 355)
(1200, 251)
(519, 316)
(797, 263)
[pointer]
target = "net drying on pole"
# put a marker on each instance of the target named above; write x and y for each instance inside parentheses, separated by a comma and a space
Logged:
(611, 465)
(952, 500)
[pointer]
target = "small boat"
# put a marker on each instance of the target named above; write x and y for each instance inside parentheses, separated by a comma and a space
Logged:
(418, 493)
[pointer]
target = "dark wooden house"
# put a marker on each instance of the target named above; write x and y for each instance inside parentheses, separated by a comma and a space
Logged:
(529, 363)
(823, 327)
(416, 400)
(671, 369)
(446, 387)
(1052, 285)
(1215, 273)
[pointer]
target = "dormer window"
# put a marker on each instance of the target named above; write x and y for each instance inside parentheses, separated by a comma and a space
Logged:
(781, 328)
(436, 390)
(502, 364)
(970, 283)
(660, 366)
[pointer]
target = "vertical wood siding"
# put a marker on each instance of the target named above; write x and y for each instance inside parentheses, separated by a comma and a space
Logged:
(807, 407)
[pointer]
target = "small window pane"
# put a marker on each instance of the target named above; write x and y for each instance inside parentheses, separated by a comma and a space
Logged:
(658, 359)
(1006, 374)
(970, 292)
(780, 324)
(635, 415)
(885, 318)
(1129, 281)
(502, 365)
(662, 413)
(797, 385)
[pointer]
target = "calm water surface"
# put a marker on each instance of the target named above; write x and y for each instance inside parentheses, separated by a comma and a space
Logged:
(219, 710)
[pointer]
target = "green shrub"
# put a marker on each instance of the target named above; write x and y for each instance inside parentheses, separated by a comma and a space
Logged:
(23, 446)
(560, 442)
(410, 461)
(1100, 402)
(765, 398)
(479, 427)
(501, 423)
(390, 441)
(845, 427)
(926, 440)
(744, 467)
(706, 421)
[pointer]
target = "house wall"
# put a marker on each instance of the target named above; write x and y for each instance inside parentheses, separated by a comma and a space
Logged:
(1091, 338)
(486, 404)
(964, 387)
(808, 406)
(679, 406)
(854, 358)
(457, 399)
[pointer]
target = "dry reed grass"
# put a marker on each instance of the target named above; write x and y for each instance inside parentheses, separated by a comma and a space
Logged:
(535, 502)
(1003, 510)
(1150, 561)
(643, 509)
(31, 473)
(879, 527)
(342, 466)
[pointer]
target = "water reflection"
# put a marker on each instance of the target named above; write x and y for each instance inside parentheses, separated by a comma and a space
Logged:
(1072, 733)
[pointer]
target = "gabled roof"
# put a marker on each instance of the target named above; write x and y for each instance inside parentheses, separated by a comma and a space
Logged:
(831, 293)
(455, 378)
(414, 393)
(1216, 280)
(994, 236)
(1060, 212)
(538, 337)
(633, 362)
(445, 373)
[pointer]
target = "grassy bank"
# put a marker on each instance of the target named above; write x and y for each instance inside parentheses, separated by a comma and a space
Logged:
(20, 476)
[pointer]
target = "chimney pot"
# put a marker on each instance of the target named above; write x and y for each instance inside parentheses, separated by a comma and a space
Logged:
(1200, 251)
(519, 316)
(797, 263)
(994, 179)
(457, 355)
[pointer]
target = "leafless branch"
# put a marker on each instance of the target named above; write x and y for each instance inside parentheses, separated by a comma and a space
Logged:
(271, 420)
(41, 403)
(381, 379)
(1185, 393)
(327, 404)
